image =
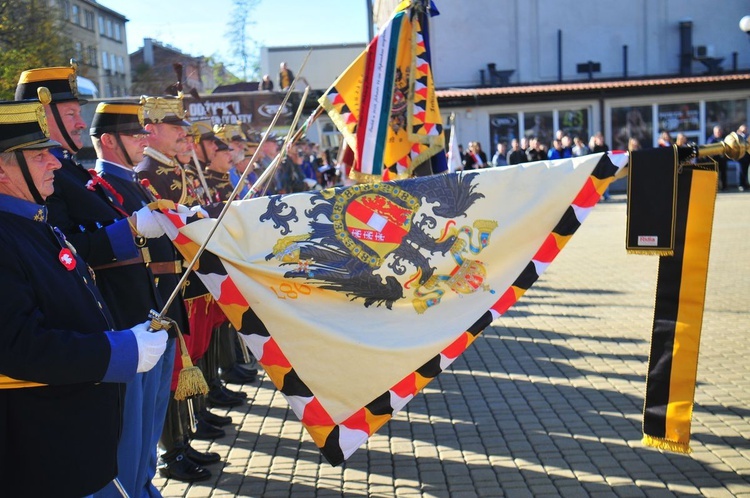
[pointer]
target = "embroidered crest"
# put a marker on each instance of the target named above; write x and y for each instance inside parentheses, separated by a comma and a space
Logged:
(357, 232)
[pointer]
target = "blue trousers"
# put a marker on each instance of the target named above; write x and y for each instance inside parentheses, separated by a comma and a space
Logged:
(146, 399)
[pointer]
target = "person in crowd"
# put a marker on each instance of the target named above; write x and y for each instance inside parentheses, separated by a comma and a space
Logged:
(500, 159)
(289, 176)
(62, 360)
(165, 178)
(516, 155)
(599, 143)
(475, 158)
(534, 152)
(744, 161)
(266, 83)
(665, 139)
(716, 137)
(556, 151)
(286, 77)
(579, 147)
(567, 146)
(681, 140)
(634, 144)
(119, 140)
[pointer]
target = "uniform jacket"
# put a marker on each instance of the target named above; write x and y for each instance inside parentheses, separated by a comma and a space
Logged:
(91, 215)
(168, 179)
(219, 185)
(60, 439)
(160, 250)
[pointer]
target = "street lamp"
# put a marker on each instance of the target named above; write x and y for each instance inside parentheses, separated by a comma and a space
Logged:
(745, 24)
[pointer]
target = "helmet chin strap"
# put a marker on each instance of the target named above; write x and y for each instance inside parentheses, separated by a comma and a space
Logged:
(205, 154)
(63, 131)
(27, 177)
(123, 149)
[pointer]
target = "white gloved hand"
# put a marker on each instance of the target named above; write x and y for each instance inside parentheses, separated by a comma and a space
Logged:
(151, 345)
(147, 223)
(198, 209)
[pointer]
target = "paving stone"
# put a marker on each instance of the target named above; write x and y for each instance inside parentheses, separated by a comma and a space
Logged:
(546, 402)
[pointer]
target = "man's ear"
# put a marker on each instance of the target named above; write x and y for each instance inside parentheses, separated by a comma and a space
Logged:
(4, 178)
(107, 140)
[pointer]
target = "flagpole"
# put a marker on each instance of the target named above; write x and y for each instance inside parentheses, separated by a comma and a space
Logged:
(280, 156)
(237, 188)
(255, 189)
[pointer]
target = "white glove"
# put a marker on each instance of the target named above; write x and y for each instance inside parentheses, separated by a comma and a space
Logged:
(147, 224)
(151, 345)
(198, 209)
(192, 211)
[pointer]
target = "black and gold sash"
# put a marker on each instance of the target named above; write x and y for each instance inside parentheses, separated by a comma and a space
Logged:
(678, 314)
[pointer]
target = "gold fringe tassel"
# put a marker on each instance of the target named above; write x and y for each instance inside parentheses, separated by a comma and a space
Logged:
(664, 444)
(190, 381)
(645, 252)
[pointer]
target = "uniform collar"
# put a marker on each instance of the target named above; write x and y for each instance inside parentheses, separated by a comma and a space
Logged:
(115, 169)
(61, 153)
(162, 158)
(23, 208)
(217, 174)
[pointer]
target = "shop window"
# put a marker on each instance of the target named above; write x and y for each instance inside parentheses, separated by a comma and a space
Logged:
(729, 114)
(503, 129)
(539, 124)
(632, 122)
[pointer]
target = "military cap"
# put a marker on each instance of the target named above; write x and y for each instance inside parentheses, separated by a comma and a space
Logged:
(169, 110)
(229, 133)
(202, 129)
(23, 125)
(61, 82)
(221, 144)
(126, 118)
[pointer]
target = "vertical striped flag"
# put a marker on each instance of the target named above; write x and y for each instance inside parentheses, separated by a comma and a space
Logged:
(385, 104)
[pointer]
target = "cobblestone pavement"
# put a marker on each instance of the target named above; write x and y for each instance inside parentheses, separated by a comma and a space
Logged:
(547, 402)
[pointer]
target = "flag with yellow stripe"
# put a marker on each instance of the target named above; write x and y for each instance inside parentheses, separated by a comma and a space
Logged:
(678, 315)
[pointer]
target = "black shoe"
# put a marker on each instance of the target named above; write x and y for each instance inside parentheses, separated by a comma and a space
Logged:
(214, 419)
(237, 375)
(206, 431)
(234, 394)
(206, 458)
(185, 470)
(217, 397)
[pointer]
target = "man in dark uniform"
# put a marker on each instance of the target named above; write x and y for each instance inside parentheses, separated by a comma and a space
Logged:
(119, 138)
(207, 147)
(231, 139)
(61, 419)
(92, 216)
(165, 178)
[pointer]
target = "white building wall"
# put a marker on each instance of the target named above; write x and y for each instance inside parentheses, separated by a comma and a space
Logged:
(522, 35)
(325, 64)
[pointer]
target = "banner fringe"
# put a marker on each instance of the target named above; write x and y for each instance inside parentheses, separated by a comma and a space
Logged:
(645, 252)
(664, 444)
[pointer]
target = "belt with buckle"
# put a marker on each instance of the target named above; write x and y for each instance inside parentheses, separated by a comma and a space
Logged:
(166, 267)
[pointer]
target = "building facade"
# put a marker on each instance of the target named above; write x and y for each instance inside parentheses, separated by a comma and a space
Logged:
(524, 68)
(326, 62)
(100, 45)
(153, 69)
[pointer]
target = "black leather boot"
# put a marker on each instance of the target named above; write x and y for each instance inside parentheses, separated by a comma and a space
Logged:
(174, 463)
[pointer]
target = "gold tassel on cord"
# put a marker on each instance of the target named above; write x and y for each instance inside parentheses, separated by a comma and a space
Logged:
(664, 444)
(190, 382)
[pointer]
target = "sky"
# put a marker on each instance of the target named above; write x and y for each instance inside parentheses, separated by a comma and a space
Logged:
(199, 27)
